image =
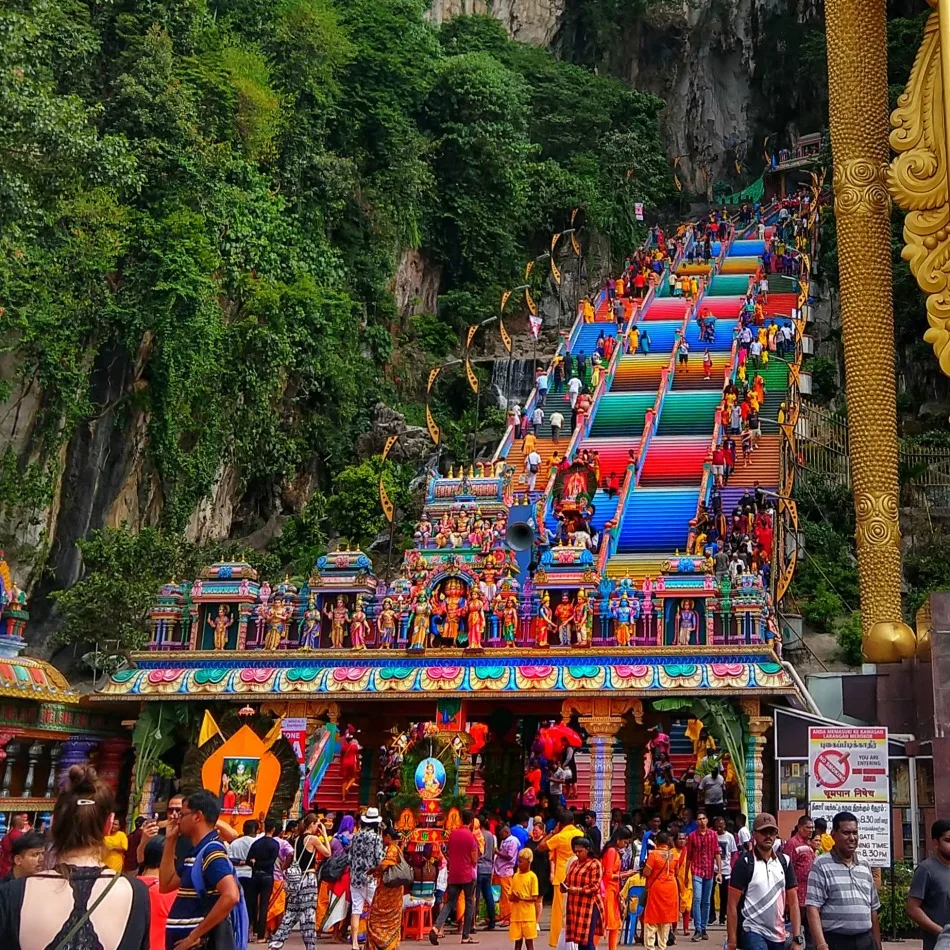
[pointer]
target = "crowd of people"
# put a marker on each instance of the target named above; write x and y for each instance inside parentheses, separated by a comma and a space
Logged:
(189, 881)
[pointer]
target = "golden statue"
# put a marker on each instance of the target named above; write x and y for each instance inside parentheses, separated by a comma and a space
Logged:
(339, 617)
(857, 106)
(220, 626)
(277, 623)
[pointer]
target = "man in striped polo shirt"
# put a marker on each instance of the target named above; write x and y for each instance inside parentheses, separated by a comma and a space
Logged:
(842, 902)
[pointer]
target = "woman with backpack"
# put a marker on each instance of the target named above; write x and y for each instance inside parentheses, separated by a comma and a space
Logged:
(333, 904)
(300, 880)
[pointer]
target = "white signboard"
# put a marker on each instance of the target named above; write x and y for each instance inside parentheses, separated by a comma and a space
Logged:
(874, 827)
(848, 770)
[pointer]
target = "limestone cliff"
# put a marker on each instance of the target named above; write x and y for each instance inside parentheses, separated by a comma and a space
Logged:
(730, 71)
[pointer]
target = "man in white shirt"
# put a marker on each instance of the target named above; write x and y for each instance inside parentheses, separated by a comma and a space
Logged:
(533, 461)
(542, 386)
(537, 417)
(743, 833)
(239, 848)
(755, 354)
(574, 389)
(557, 420)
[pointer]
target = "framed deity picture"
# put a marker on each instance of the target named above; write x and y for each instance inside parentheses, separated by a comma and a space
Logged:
(239, 784)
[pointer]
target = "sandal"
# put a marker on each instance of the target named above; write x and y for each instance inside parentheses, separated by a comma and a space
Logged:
(470, 940)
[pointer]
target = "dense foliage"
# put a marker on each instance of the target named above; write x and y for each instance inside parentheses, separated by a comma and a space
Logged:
(205, 203)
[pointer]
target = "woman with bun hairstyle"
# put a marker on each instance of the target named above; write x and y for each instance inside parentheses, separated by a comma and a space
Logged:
(52, 909)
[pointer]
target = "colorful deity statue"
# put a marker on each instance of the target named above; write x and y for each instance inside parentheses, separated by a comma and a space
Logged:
(463, 523)
(452, 606)
(421, 611)
(339, 617)
(564, 615)
(220, 625)
(423, 531)
(386, 624)
(488, 585)
(544, 622)
(509, 622)
(476, 620)
(687, 624)
(583, 619)
(310, 628)
(359, 625)
(277, 623)
(622, 614)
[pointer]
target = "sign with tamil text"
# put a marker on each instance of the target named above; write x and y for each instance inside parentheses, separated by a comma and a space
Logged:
(848, 764)
(848, 770)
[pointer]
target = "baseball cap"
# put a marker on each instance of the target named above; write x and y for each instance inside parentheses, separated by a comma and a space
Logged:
(765, 822)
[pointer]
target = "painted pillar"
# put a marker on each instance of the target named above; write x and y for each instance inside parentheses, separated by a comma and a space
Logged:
(110, 759)
(56, 750)
(33, 756)
(12, 751)
(75, 751)
(602, 774)
(754, 771)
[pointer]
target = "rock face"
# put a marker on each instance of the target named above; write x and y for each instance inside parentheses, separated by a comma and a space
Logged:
(414, 445)
(529, 21)
(700, 56)
(416, 283)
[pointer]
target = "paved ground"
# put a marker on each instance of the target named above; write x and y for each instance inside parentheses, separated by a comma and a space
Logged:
(498, 940)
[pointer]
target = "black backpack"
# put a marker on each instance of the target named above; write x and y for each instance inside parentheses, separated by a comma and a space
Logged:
(334, 867)
(748, 858)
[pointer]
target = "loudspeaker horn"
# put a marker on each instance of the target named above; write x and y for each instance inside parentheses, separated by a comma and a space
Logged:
(519, 536)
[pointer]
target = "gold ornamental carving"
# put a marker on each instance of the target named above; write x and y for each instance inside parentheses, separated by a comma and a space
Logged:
(918, 178)
(860, 188)
(857, 108)
(877, 523)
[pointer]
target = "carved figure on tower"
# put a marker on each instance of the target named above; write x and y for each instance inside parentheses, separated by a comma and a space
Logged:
(359, 625)
(583, 619)
(277, 623)
(386, 624)
(423, 531)
(339, 617)
(220, 625)
(476, 620)
(451, 607)
(310, 627)
(544, 623)
(421, 611)
(687, 624)
(564, 615)
(509, 622)
(622, 615)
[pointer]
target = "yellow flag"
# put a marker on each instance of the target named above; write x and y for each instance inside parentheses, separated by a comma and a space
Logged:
(676, 178)
(504, 299)
(554, 241)
(555, 273)
(505, 336)
(765, 149)
(390, 442)
(574, 215)
(434, 433)
(471, 334)
(274, 733)
(528, 269)
(472, 378)
(576, 245)
(384, 501)
(433, 373)
(209, 729)
(529, 300)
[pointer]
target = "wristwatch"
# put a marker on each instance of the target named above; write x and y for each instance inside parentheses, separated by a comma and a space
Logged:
(799, 939)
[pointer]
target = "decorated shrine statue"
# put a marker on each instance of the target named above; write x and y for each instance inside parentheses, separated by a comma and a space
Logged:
(220, 625)
(564, 614)
(509, 622)
(421, 612)
(451, 607)
(339, 617)
(310, 627)
(359, 625)
(687, 624)
(386, 624)
(476, 620)
(583, 619)
(544, 623)
(277, 623)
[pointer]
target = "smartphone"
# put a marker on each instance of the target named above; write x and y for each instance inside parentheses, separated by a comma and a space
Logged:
(154, 816)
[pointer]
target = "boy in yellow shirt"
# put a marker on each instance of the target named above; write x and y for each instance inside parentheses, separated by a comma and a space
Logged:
(523, 924)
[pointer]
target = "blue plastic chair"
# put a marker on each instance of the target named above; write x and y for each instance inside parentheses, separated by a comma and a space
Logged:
(636, 900)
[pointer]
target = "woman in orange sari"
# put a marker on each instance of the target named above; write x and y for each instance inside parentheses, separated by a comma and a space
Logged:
(614, 879)
(384, 924)
(684, 881)
(663, 902)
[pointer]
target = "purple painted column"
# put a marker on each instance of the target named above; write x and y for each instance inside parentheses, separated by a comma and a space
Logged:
(75, 751)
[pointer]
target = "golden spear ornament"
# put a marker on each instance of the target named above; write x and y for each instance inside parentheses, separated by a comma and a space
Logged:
(857, 108)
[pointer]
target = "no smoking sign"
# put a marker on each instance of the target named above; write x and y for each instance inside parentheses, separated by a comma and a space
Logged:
(832, 768)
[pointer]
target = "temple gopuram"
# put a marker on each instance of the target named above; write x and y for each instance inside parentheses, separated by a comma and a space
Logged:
(574, 580)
